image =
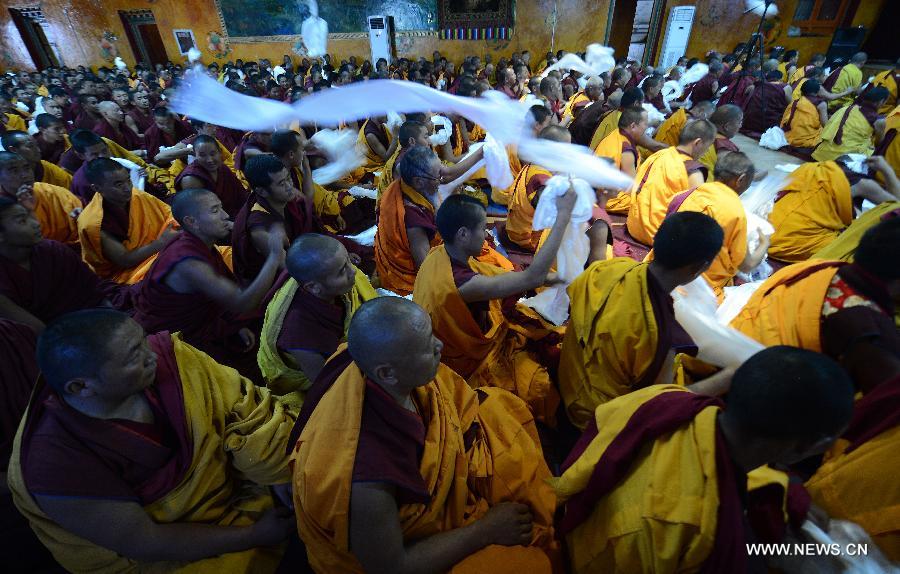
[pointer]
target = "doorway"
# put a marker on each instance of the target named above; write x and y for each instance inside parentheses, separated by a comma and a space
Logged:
(143, 37)
(634, 28)
(36, 36)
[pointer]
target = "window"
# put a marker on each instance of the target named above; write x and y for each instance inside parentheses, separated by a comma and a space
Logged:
(819, 17)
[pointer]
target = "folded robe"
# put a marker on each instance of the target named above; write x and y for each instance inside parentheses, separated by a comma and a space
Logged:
(669, 131)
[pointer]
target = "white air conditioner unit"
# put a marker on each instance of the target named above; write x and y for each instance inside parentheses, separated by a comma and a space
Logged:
(678, 32)
(381, 38)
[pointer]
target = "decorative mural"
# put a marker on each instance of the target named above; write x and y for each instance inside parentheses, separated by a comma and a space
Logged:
(217, 45)
(108, 49)
(476, 19)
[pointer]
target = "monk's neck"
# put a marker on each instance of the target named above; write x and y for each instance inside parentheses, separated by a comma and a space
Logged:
(667, 279)
(326, 298)
(135, 408)
(208, 241)
(745, 453)
(456, 254)
(685, 151)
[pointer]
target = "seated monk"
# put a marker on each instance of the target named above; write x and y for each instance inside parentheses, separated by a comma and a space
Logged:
(851, 129)
(621, 147)
(208, 171)
(122, 229)
(540, 117)
(664, 175)
(44, 171)
(142, 452)
(728, 120)
(828, 306)
(308, 316)
(766, 104)
(890, 80)
(803, 120)
(844, 247)
(846, 77)
(377, 145)
(669, 131)
(10, 119)
(140, 111)
(741, 86)
(167, 130)
(55, 207)
(600, 359)
(414, 131)
(590, 95)
(889, 146)
(112, 126)
(253, 143)
(420, 460)
(584, 126)
(189, 287)
(88, 115)
(706, 88)
(51, 137)
(633, 97)
(693, 453)
(816, 205)
(464, 298)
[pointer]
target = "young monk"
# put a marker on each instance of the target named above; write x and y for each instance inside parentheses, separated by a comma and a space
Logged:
(51, 137)
(88, 115)
(846, 77)
(112, 126)
(420, 462)
(852, 128)
(189, 288)
(140, 111)
(816, 205)
(122, 229)
(728, 120)
(621, 147)
(167, 130)
(600, 360)
(664, 175)
(889, 80)
(55, 207)
(141, 450)
(464, 299)
(378, 144)
(208, 171)
(803, 120)
(308, 316)
(693, 454)
(44, 171)
(669, 131)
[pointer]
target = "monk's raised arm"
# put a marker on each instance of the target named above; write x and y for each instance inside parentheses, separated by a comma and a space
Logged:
(650, 143)
(373, 509)
(127, 529)
(118, 254)
(451, 173)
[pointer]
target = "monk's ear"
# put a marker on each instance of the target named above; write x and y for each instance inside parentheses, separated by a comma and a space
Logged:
(385, 374)
(78, 388)
(312, 287)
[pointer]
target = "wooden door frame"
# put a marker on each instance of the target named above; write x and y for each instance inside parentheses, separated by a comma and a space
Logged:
(40, 52)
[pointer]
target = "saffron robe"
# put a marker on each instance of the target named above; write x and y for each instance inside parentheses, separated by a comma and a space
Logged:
(890, 80)
(661, 177)
(46, 172)
(765, 107)
(493, 354)
(576, 102)
(711, 155)
(802, 124)
(53, 207)
(613, 147)
(607, 125)
(520, 220)
(15, 122)
(847, 131)
(810, 212)
(144, 221)
(846, 77)
(456, 446)
(229, 437)
(670, 130)
(227, 187)
(844, 247)
(889, 147)
(160, 181)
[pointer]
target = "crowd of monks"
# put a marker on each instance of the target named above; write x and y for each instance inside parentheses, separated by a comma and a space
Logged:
(204, 368)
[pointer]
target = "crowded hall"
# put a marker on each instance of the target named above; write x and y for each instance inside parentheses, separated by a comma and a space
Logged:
(468, 286)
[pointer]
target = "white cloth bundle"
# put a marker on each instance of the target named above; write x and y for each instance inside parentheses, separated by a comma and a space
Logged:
(193, 54)
(393, 121)
(654, 116)
(277, 71)
(759, 198)
(38, 110)
(22, 107)
(773, 138)
(496, 164)
(365, 192)
(339, 147)
(598, 59)
(314, 31)
(578, 161)
(693, 74)
(120, 63)
(671, 90)
(138, 179)
(366, 237)
(720, 345)
(553, 302)
(736, 297)
(442, 136)
(856, 162)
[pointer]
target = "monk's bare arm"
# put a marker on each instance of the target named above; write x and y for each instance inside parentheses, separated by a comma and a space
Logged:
(822, 108)
(306, 181)
(379, 149)
(127, 529)
(308, 362)
(753, 258)
(628, 166)
(376, 537)
(450, 173)
(121, 256)
(830, 97)
(869, 189)
(178, 151)
(12, 312)
(129, 121)
(696, 179)
(419, 245)
(646, 141)
(598, 234)
(892, 182)
(191, 182)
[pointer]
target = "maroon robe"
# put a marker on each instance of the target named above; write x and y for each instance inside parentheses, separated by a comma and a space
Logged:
(124, 137)
(735, 93)
(585, 124)
(81, 187)
(50, 152)
(155, 138)
(246, 143)
(765, 107)
(702, 90)
(85, 121)
(312, 324)
(70, 161)
(227, 187)
(229, 138)
(143, 120)
(657, 102)
(17, 379)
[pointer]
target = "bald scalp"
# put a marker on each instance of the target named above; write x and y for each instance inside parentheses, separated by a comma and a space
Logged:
(187, 203)
(703, 130)
(308, 255)
(555, 133)
(726, 114)
(631, 116)
(9, 159)
(733, 164)
(107, 106)
(703, 108)
(384, 329)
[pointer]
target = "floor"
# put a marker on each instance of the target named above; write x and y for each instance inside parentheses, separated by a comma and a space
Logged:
(762, 158)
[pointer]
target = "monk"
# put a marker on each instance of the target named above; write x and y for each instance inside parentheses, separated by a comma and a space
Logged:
(189, 288)
(720, 200)
(788, 65)
(621, 147)
(377, 144)
(693, 453)
(308, 317)
(167, 130)
(141, 450)
(816, 205)
(55, 207)
(803, 120)
(741, 86)
(208, 171)
(253, 143)
(51, 137)
(609, 122)
(465, 298)
(664, 175)
(592, 93)
(112, 126)
(669, 131)
(846, 77)
(889, 80)
(728, 120)
(9, 118)
(88, 115)
(584, 126)
(122, 229)
(706, 88)
(140, 111)
(179, 153)
(766, 103)
(889, 146)
(44, 171)
(430, 481)
(852, 128)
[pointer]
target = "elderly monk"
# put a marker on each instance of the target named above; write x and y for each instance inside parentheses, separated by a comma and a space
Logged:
(728, 120)
(621, 147)
(694, 453)
(851, 129)
(591, 94)
(122, 229)
(55, 207)
(669, 131)
(112, 126)
(600, 359)
(816, 205)
(189, 287)
(167, 130)
(44, 171)
(803, 120)
(142, 452)
(309, 314)
(766, 104)
(208, 171)
(51, 137)
(846, 77)
(664, 175)
(720, 200)
(420, 462)
(464, 298)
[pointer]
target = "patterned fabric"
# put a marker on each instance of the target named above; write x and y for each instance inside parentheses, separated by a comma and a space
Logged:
(841, 296)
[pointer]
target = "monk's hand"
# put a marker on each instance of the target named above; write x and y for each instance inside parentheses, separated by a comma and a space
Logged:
(878, 163)
(247, 337)
(764, 240)
(284, 493)
(25, 196)
(508, 524)
(169, 234)
(274, 526)
(565, 203)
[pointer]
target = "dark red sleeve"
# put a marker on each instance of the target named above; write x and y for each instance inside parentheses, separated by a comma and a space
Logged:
(535, 185)
(416, 217)
(693, 166)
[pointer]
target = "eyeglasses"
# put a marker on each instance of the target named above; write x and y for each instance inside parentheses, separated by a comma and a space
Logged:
(428, 177)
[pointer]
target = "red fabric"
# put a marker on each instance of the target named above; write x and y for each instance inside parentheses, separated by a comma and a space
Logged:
(832, 78)
(765, 107)
(586, 123)
(143, 120)
(50, 152)
(329, 374)
(735, 93)
(678, 201)
(155, 138)
(376, 129)
(115, 220)
(246, 143)
(85, 121)
(17, 378)
(227, 187)
(81, 187)
(124, 137)
(703, 89)
(876, 412)
(312, 324)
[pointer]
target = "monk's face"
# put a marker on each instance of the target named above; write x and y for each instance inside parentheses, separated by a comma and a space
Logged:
(54, 133)
(208, 157)
(19, 228)
(14, 174)
(473, 239)
(165, 123)
(111, 112)
(421, 138)
(89, 103)
(116, 187)
(53, 108)
(730, 129)
(142, 100)
(60, 100)
(281, 187)
(120, 97)
(95, 151)
(130, 367)
(210, 221)
(25, 146)
(339, 275)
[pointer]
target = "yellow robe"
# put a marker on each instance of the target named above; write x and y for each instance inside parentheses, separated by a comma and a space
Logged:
(608, 125)
(670, 130)
(661, 177)
(503, 196)
(815, 208)
(505, 463)
(55, 175)
(663, 516)
(856, 137)
(281, 378)
(611, 147)
(496, 357)
(240, 434)
(805, 123)
(844, 247)
(15, 122)
(521, 211)
(892, 153)
(148, 217)
(711, 156)
(577, 99)
(155, 175)
(888, 80)
(849, 77)
(53, 208)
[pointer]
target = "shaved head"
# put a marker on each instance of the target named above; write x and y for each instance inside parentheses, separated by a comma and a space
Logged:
(859, 58)
(703, 130)
(187, 203)
(702, 110)
(556, 133)
(308, 255)
(107, 106)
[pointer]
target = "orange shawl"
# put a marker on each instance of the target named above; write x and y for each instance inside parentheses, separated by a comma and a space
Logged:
(661, 177)
(521, 211)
